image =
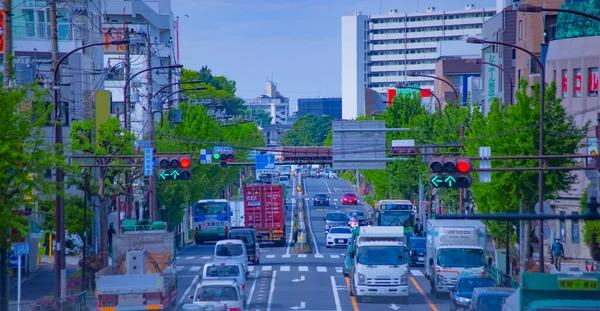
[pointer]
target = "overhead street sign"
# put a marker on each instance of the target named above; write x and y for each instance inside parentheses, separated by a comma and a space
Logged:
(265, 163)
(359, 145)
(20, 249)
(205, 156)
(484, 155)
(148, 161)
(403, 147)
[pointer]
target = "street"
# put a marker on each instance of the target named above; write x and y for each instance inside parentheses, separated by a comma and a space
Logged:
(288, 281)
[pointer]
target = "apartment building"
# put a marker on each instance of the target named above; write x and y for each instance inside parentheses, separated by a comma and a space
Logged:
(378, 51)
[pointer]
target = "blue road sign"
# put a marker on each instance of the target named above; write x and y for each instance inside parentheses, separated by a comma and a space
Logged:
(223, 149)
(144, 144)
(265, 162)
(205, 156)
(14, 262)
(20, 249)
(148, 161)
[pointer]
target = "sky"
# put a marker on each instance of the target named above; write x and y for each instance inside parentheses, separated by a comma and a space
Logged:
(295, 43)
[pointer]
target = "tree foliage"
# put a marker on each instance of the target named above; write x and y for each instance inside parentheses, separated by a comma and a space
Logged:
(591, 230)
(25, 156)
(219, 90)
(570, 25)
(73, 215)
(106, 141)
(308, 130)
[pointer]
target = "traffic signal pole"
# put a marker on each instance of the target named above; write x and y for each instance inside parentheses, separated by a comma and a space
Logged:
(150, 122)
(461, 191)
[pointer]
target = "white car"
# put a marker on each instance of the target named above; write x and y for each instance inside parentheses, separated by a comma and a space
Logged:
(221, 295)
(338, 236)
(333, 175)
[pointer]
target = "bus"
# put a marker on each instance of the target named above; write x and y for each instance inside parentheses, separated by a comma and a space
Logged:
(396, 213)
(212, 220)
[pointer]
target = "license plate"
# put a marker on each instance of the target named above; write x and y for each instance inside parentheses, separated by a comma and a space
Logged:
(339, 241)
(421, 258)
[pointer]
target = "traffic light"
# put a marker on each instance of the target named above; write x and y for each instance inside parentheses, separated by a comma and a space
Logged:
(450, 172)
(224, 157)
(174, 168)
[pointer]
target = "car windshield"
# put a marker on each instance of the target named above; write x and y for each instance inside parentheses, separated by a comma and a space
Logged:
(417, 243)
(337, 217)
(222, 271)
(247, 237)
(491, 302)
(460, 257)
(340, 230)
(358, 214)
(468, 285)
(217, 293)
(320, 195)
(226, 250)
(350, 195)
(211, 208)
(382, 255)
(396, 219)
(284, 178)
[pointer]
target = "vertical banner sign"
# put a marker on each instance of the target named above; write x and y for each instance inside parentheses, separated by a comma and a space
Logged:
(1, 31)
(565, 83)
(391, 95)
(148, 161)
(491, 78)
(577, 83)
(593, 81)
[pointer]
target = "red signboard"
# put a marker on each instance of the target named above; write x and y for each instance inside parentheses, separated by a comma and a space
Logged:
(565, 83)
(593, 81)
(391, 95)
(577, 85)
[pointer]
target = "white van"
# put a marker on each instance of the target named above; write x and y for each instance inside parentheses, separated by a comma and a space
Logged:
(234, 250)
(226, 270)
(284, 180)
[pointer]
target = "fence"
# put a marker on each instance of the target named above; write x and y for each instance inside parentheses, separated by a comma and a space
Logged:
(501, 277)
(70, 303)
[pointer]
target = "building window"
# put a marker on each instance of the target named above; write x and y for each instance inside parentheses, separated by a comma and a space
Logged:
(518, 77)
(565, 84)
(575, 229)
(593, 82)
(577, 83)
(563, 227)
(554, 76)
(520, 30)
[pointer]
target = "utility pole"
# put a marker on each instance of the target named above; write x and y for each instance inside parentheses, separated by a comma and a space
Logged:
(8, 48)
(171, 118)
(461, 192)
(127, 69)
(60, 272)
(151, 192)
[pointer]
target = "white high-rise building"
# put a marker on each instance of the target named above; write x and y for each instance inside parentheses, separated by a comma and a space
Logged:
(379, 50)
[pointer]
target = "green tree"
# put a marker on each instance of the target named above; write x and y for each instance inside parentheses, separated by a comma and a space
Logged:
(591, 230)
(106, 141)
(516, 132)
(25, 156)
(308, 130)
(219, 90)
(73, 215)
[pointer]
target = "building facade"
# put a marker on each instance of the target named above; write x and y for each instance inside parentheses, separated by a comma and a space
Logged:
(331, 106)
(378, 51)
(278, 108)
(452, 66)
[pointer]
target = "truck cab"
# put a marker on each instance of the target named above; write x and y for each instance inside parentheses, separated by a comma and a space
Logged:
(378, 263)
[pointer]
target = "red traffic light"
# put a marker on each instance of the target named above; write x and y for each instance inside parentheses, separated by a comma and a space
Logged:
(464, 165)
(185, 162)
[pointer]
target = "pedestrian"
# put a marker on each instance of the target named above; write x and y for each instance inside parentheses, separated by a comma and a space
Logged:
(558, 252)
(111, 231)
(419, 228)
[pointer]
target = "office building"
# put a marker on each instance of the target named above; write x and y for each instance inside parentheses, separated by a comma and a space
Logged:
(452, 66)
(320, 106)
(378, 51)
(278, 108)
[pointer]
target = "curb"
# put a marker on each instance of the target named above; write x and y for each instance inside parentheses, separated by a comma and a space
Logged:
(14, 282)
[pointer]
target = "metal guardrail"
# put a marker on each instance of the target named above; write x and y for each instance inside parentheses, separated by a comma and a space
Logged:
(76, 302)
(501, 278)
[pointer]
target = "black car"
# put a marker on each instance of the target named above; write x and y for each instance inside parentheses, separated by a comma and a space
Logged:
(321, 199)
(417, 251)
(461, 295)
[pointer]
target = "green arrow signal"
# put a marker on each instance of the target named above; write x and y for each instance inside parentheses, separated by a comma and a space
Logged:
(175, 174)
(164, 174)
(435, 180)
(449, 180)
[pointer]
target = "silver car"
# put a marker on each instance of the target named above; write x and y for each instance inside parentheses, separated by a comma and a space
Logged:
(335, 219)
(221, 295)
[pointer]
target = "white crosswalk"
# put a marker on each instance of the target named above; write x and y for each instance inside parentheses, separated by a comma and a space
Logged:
(267, 268)
(272, 256)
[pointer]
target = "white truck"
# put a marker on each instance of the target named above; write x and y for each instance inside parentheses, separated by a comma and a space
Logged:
(454, 248)
(378, 263)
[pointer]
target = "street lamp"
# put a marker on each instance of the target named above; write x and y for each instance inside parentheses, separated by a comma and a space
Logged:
(176, 83)
(537, 9)
(414, 74)
(400, 86)
(512, 85)
(200, 88)
(541, 142)
(59, 275)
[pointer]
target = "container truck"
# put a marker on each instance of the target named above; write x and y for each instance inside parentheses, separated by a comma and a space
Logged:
(264, 211)
(454, 248)
(143, 274)
(377, 263)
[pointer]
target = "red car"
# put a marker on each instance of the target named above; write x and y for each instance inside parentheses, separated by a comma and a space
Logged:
(349, 198)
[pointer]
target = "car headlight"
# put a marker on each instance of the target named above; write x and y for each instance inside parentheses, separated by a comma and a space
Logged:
(440, 278)
(404, 278)
(361, 279)
(462, 300)
(329, 237)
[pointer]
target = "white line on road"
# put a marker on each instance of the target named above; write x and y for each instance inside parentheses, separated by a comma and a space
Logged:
(189, 258)
(179, 268)
(287, 251)
(195, 268)
(187, 291)
(301, 255)
(318, 255)
(270, 256)
(326, 185)
(303, 268)
(339, 269)
(416, 273)
(205, 257)
(336, 296)
(312, 234)
(251, 268)
(286, 256)
(284, 268)
(335, 256)
(271, 290)
(321, 269)
(267, 268)
(249, 301)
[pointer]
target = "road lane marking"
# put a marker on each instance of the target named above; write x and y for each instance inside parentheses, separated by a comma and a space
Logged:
(302, 256)
(429, 302)
(249, 301)
(251, 268)
(179, 268)
(286, 256)
(287, 251)
(312, 234)
(318, 255)
(187, 291)
(272, 290)
(352, 298)
(267, 268)
(284, 268)
(195, 268)
(190, 258)
(416, 273)
(336, 296)
(303, 268)
(321, 269)
(206, 257)
(270, 256)
(339, 269)
(335, 256)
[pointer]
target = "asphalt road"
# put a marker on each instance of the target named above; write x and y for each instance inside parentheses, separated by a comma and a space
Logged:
(288, 281)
